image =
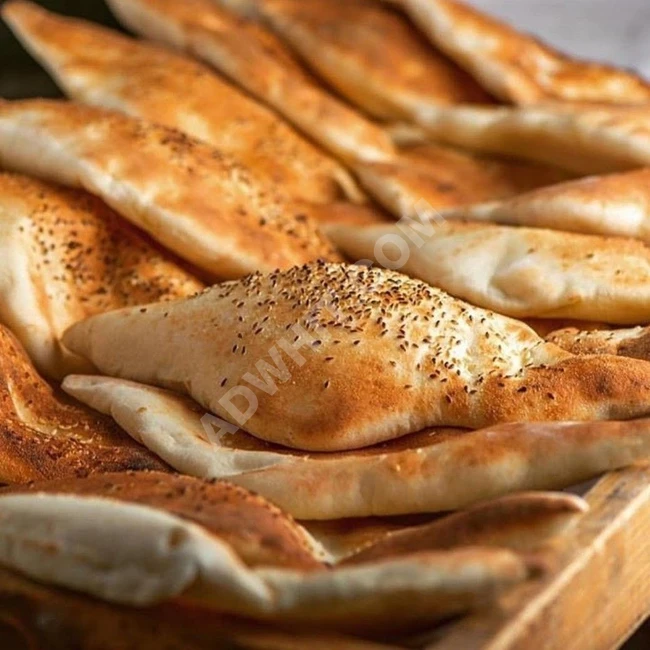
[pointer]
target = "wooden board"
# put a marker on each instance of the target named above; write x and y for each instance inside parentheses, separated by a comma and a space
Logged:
(597, 593)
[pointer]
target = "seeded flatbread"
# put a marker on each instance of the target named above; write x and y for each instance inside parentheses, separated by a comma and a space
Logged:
(255, 59)
(164, 182)
(329, 357)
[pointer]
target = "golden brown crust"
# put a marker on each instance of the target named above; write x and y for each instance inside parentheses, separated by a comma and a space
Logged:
(517, 67)
(165, 182)
(260, 533)
(98, 66)
(371, 55)
(383, 355)
(45, 436)
(258, 61)
(631, 342)
(432, 176)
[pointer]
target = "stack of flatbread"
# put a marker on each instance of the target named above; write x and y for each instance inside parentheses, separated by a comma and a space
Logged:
(308, 313)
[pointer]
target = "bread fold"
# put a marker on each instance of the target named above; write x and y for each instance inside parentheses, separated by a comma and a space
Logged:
(437, 469)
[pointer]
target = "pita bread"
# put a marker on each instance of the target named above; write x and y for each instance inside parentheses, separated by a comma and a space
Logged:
(523, 522)
(257, 531)
(371, 55)
(520, 272)
(628, 342)
(30, 612)
(585, 139)
(280, 355)
(431, 176)
(163, 181)
(430, 471)
(517, 67)
(615, 204)
(43, 435)
(64, 255)
(65, 539)
(98, 66)
(259, 62)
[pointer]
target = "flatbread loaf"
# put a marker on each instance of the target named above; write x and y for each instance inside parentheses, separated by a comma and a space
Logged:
(329, 357)
(31, 610)
(205, 206)
(613, 204)
(581, 138)
(525, 522)
(519, 272)
(259, 532)
(371, 54)
(517, 67)
(65, 535)
(425, 177)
